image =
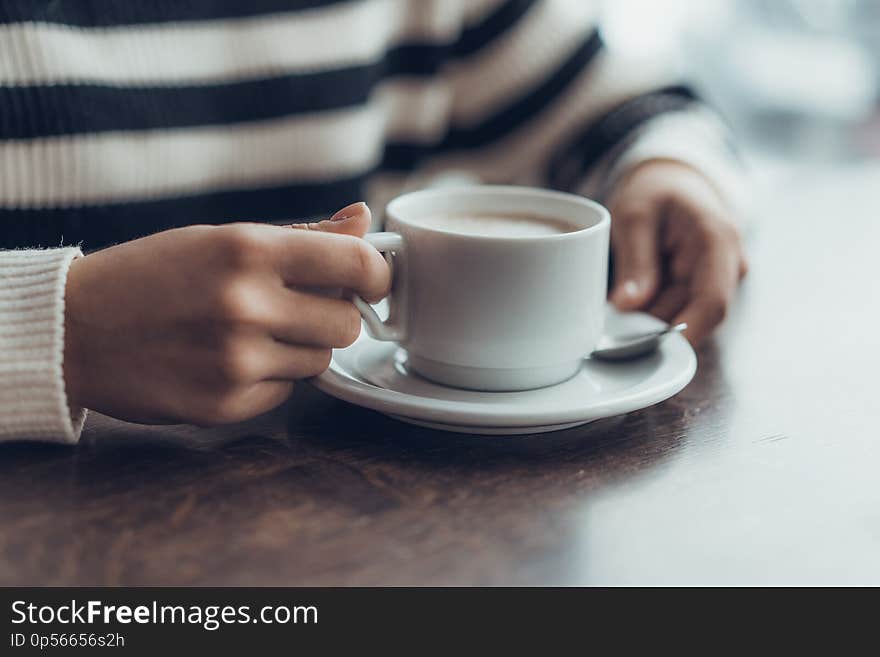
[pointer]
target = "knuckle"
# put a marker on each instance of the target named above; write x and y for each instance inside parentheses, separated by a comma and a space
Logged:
(716, 309)
(720, 229)
(236, 363)
(239, 245)
(237, 302)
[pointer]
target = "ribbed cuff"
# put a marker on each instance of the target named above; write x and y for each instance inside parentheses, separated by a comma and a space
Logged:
(694, 137)
(33, 400)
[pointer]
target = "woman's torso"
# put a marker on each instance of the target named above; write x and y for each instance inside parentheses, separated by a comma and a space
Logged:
(120, 119)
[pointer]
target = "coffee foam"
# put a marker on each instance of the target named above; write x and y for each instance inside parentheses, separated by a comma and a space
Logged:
(497, 224)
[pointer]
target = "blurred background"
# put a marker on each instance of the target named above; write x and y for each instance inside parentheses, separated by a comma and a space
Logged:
(797, 79)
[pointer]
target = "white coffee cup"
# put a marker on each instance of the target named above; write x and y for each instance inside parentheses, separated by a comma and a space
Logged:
(489, 312)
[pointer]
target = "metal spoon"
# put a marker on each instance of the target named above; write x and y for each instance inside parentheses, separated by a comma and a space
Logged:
(626, 347)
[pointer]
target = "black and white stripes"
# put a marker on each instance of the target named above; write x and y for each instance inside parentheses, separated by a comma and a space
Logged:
(119, 119)
(578, 155)
(112, 13)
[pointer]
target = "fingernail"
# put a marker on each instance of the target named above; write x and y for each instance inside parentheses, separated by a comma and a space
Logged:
(349, 211)
(630, 289)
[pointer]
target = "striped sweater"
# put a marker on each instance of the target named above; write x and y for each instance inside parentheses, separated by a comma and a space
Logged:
(119, 119)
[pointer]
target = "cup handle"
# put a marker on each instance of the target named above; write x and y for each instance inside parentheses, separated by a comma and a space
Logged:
(392, 329)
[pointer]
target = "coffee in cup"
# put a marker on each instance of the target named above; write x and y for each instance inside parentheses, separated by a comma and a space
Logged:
(499, 224)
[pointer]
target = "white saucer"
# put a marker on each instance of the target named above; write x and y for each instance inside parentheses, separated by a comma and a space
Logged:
(373, 374)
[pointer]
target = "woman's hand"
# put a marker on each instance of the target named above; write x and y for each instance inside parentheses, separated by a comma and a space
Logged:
(212, 324)
(677, 253)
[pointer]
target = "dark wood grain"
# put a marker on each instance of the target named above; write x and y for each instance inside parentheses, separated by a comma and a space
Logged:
(766, 469)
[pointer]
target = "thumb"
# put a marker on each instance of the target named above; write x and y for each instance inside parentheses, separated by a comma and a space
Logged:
(636, 263)
(353, 219)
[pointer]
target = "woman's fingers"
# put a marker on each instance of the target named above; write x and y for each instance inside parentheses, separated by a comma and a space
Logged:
(316, 258)
(636, 260)
(314, 320)
(289, 362)
(702, 315)
(330, 254)
(264, 396)
(670, 301)
(712, 289)
(259, 357)
(245, 402)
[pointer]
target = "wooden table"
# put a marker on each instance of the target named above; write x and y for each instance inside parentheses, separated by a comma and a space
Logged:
(766, 469)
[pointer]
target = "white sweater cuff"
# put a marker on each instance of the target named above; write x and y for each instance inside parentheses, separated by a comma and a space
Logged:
(695, 137)
(33, 400)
